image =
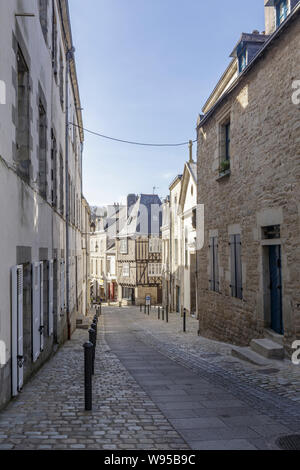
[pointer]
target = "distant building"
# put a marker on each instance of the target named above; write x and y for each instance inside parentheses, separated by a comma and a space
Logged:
(138, 250)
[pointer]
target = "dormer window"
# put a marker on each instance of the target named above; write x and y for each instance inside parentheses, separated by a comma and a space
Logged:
(243, 59)
(281, 11)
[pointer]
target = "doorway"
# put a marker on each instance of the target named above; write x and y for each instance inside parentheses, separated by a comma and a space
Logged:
(276, 289)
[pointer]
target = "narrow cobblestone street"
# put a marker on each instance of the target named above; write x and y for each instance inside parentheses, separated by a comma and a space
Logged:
(154, 388)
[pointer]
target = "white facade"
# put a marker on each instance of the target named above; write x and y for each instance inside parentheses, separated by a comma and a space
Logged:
(33, 203)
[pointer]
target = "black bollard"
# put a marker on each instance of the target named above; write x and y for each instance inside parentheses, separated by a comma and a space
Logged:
(167, 313)
(92, 340)
(163, 314)
(88, 363)
(184, 320)
(145, 309)
(148, 310)
(158, 315)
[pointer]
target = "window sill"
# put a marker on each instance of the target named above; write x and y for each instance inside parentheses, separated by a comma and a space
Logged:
(224, 174)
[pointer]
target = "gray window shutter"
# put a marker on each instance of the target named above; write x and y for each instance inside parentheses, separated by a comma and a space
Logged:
(216, 269)
(239, 280)
(232, 265)
(50, 290)
(42, 306)
(17, 330)
(211, 255)
(36, 309)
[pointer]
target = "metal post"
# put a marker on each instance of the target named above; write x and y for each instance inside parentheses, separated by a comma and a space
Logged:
(184, 320)
(163, 313)
(158, 310)
(148, 310)
(92, 340)
(94, 326)
(145, 309)
(88, 365)
(167, 313)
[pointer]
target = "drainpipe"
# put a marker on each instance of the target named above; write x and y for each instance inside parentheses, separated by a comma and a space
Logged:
(69, 57)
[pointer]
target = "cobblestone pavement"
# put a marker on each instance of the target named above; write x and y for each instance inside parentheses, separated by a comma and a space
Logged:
(281, 377)
(154, 388)
(228, 389)
(49, 412)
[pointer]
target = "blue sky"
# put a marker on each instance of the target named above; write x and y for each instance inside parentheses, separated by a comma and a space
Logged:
(145, 69)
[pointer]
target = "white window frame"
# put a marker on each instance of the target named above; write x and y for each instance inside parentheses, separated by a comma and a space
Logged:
(154, 269)
(126, 270)
(124, 246)
(155, 245)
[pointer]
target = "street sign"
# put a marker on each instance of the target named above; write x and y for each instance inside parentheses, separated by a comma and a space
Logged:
(148, 300)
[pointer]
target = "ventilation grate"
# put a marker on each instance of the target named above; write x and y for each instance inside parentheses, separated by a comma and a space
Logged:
(289, 442)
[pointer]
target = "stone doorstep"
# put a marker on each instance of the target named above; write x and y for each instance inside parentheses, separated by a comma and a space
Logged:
(248, 355)
(274, 336)
(267, 348)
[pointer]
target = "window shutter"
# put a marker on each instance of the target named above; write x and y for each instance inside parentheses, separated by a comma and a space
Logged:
(212, 274)
(17, 330)
(36, 307)
(50, 290)
(42, 306)
(62, 285)
(239, 280)
(216, 269)
(232, 265)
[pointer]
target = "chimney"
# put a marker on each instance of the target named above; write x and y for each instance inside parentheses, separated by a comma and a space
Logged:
(191, 151)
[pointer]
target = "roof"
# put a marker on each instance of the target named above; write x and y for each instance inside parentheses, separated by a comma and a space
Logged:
(175, 180)
(255, 38)
(145, 217)
(268, 43)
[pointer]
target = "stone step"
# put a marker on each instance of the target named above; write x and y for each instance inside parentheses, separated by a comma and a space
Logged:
(246, 354)
(267, 348)
(270, 334)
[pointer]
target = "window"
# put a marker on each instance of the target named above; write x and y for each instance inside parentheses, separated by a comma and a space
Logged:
(236, 266)
(43, 9)
(194, 219)
(281, 11)
(214, 264)
(53, 170)
(61, 184)
(243, 59)
(42, 151)
(124, 246)
(176, 252)
(54, 43)
(125, 270)
(61, 79)
(154, 269)
(23, 121)
(155, 245)
(227, 141)
(186, 249)
(225, 146)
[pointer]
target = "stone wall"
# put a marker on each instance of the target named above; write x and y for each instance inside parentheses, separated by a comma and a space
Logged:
(262, 189)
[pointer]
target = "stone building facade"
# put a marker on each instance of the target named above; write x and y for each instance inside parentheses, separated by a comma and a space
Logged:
(249, 182)
(139, 252)
(41, 235)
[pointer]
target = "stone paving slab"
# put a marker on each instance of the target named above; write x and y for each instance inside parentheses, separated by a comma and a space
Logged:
(49, 414)
(215, 406)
